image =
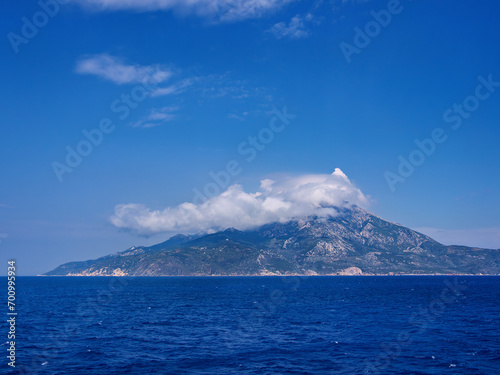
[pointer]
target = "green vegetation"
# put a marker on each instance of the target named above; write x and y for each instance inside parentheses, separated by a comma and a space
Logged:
(354, 238)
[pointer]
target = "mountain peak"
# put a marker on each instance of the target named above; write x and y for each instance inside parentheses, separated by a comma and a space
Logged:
(351, 242)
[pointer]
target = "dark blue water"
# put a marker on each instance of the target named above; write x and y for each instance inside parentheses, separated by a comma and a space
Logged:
(259, 325)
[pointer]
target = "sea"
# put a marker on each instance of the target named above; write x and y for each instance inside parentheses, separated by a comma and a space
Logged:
(255, 325)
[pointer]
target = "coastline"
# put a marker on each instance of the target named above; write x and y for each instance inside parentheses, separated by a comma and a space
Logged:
(274, 275)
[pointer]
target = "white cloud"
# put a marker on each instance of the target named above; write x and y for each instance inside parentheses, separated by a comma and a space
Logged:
(239, 117)
(296, 28)
(483, 237)
(162, 81)
(116, 70)
(224, 10)
(277, 201)
(157, 116)
(175, 88)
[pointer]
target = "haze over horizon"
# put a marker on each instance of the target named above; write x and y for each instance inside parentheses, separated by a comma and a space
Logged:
(125, 123)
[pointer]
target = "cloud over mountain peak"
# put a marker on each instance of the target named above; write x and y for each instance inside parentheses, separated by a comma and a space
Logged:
(278, 200)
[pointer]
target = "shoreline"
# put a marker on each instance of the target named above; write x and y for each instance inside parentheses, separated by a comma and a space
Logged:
(291, 275)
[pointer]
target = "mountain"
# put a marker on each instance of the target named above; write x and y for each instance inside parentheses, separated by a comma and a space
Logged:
(352, 242)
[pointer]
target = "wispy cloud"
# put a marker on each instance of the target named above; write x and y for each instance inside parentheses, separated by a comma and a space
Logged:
(277, 201)
(167, 81)
(245, 115)
(175, 88)
(114, 69)
(239, 117)
(295, 29)
(224, 86)
(224, 10)
(157, 116)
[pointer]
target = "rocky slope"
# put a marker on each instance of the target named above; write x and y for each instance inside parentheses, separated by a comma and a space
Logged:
(353, 242)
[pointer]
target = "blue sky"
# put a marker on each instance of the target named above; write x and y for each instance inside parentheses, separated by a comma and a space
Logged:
(177, 89)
